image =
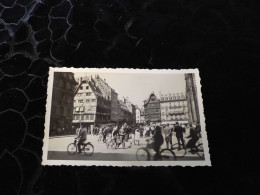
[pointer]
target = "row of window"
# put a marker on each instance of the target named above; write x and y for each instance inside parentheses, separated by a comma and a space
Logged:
(83, 117)
(81, 87)
(84, 94)
(182, 103)
(177, 117)
(87, 100)
(173, 98)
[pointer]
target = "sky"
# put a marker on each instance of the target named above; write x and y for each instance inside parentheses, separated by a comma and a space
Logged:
(138, 87)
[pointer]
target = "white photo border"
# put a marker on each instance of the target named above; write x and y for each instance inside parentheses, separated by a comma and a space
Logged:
(45, 161)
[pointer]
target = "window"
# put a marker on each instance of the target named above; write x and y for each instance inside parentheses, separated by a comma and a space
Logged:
(88, 94)
(81, 88)
(77, 109)
(80, 101)
(81, 109)
(162, 98)
(87, 100)
(93, 100)
(91, 117)
(82, 117)
(87, 87)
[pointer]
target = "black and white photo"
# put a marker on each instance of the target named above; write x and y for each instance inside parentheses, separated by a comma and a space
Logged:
(125, 117)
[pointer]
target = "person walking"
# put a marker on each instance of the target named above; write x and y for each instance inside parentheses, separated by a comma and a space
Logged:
(179, 135)
(137, 136)
(168, 135)
(121, 136)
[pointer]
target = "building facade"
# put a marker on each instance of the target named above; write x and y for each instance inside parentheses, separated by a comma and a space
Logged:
(91, 106)
(110, 94)
(192, 100)
(152, 109)
(138, 115)
(125, 114)
(174, 108)
(62, 103)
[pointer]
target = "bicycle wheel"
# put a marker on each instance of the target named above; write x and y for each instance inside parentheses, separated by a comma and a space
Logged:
(200, 150)
(179, 152)
(167, 155)
(72, 149)
(88, 149)
(142, 154)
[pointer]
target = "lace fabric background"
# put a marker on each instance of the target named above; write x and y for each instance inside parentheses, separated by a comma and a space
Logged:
(221, 38)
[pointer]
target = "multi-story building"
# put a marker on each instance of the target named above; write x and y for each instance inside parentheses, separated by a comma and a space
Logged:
(138, 115)
(174, 108)
(142, 116)
(125, 114)
(109, 94)
(62, 103)
(192, 100)
(152, 109)
(91, 106)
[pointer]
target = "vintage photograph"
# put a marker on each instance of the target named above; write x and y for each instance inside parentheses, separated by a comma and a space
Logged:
(125, 117)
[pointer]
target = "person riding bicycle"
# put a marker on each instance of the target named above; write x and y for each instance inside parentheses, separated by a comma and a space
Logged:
(194, 138)
(83, 136)
(157, 139)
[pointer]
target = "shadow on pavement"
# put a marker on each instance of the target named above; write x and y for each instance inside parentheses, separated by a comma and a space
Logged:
(60, 155)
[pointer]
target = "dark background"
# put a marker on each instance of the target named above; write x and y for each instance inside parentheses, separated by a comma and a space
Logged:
(221, 38)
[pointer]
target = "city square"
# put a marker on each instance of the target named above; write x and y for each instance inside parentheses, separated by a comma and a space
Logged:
(106, 116)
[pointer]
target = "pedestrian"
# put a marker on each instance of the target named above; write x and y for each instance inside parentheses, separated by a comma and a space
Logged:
(121, 136)
(105, 131)
(83, 136)
(168, 135)
(132, 134)
(194, 138)
(179, 135)
(137, 136)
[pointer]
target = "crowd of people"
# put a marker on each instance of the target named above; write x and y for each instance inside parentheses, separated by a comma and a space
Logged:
(120, 134)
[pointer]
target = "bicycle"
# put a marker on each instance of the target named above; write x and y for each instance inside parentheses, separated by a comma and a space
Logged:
(198, 149)
(143, 154)
(87, 148)
(180, 152)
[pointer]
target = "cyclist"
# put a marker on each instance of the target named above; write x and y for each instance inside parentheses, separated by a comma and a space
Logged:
(157, 142)
(83, 136)
(194, 138)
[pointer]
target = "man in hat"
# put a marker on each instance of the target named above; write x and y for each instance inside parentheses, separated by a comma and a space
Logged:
(179, 135)
(168, 135)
